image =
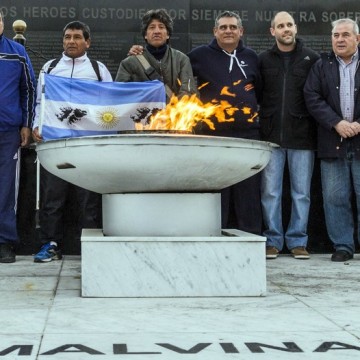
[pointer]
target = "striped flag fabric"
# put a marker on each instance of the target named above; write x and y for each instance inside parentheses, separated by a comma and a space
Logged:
(75, 107)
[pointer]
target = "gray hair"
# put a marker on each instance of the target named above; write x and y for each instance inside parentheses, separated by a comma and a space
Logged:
(228, 13)
(354, 24)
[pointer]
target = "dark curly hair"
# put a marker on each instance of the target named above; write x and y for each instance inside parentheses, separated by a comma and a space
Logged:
(158, 14)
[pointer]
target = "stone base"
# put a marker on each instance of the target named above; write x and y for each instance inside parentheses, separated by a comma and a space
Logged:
(162, 214)
(230, 265)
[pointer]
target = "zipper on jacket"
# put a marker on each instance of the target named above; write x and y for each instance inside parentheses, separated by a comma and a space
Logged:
(282, 114)
(73, 67)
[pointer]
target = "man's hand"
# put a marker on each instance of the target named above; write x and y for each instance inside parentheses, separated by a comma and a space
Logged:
(136, 50)
(25, 134)
(36, 135)
(347, 129)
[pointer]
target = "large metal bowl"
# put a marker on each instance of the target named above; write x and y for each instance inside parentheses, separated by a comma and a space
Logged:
(153, 162)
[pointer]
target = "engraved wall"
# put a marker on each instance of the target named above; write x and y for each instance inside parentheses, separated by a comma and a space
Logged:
(115, 26)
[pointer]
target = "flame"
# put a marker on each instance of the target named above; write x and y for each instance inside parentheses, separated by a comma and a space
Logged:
(249, 87)
(183, 114)
(225, 91)
(246, 110)
(203, 85)
(251, 119)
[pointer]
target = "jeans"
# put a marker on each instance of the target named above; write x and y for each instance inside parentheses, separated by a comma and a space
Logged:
(340, 178)
(301, 164)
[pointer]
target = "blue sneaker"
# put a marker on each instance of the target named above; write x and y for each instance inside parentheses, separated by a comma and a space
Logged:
(48, 252)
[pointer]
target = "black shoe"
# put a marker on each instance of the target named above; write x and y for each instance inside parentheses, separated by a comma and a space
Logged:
(7, 253)
(341, 256)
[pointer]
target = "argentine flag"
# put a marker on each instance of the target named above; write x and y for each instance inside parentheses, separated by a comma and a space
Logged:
(73, 107)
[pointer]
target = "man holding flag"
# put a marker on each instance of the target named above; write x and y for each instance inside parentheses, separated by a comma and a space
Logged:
(74, 63)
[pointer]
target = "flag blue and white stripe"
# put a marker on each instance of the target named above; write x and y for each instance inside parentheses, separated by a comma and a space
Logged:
(75, 107)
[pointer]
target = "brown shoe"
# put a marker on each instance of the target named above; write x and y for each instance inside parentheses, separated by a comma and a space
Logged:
(300, 253)
(271, 252)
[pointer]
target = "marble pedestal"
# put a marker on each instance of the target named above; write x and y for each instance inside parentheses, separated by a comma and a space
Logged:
(131, 266)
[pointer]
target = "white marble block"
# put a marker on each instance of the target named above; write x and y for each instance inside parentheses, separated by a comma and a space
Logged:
(120, 266)
(162, 214)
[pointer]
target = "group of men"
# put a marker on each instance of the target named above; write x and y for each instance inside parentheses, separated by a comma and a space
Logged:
(292, 96)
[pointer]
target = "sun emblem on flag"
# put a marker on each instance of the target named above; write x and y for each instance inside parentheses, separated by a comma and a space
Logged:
(108, 118)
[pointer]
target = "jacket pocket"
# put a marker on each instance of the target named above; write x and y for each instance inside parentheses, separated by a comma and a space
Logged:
(270, 71)
(299, 72)
(303, 126)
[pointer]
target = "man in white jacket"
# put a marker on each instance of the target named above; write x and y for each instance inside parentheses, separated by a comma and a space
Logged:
(73, 63)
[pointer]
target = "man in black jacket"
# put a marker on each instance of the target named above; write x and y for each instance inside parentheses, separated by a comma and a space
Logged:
(284, 120)
(332, 97)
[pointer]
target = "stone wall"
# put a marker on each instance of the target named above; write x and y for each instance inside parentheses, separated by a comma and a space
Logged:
(115, 27)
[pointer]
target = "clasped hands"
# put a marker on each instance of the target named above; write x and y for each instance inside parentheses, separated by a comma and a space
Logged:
(347, 129)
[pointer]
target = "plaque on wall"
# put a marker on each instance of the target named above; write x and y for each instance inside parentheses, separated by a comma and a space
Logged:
(115, 24)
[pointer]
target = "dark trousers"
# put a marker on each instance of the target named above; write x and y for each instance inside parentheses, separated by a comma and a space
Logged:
(9, 184)
(241, 206)
(53, 199)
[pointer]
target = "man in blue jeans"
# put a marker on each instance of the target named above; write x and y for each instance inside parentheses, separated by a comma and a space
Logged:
(284, 120)
(332, 97)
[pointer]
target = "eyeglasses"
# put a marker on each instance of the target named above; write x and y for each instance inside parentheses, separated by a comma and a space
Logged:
(225, 27)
